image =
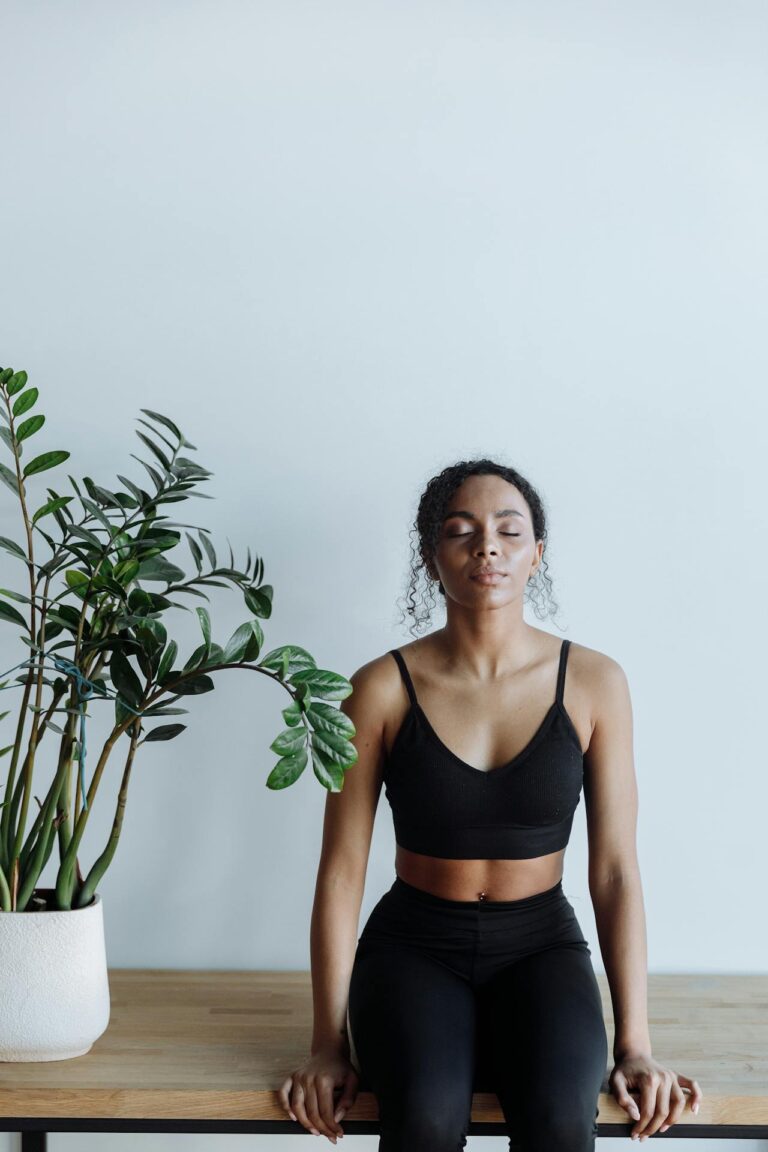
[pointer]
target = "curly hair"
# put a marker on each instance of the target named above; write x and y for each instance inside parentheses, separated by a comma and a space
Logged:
(426, 529)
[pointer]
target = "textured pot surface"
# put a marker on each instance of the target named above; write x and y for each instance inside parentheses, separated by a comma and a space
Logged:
(54, 989)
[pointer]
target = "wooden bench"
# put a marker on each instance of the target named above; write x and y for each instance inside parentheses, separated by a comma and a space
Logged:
(203, 1051)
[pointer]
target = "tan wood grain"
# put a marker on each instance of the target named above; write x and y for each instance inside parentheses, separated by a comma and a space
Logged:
(201, 1044)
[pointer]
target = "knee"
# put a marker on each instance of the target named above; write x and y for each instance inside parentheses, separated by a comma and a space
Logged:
(562, 1125)
(435, 1127)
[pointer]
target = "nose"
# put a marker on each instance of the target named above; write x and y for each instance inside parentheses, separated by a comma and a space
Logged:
(486, 548)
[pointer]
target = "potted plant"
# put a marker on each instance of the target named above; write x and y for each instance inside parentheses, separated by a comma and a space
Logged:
(100, 635)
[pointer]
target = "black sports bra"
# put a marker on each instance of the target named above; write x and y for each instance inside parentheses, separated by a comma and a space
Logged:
(442, 806)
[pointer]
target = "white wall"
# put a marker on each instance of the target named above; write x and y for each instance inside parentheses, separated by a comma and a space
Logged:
(343, 245)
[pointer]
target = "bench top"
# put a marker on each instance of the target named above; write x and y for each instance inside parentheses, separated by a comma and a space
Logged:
(192, 1044)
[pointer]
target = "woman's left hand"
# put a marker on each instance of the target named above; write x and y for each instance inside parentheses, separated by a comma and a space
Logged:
(662, 1093)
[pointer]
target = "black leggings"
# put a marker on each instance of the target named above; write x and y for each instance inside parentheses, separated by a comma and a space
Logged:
(448, 997)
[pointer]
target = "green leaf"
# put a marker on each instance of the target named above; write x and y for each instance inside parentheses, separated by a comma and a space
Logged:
(236, 644)
(83, 534)
(292, 713)
(140, 496)
(166, 662)
(67, 614)
(296, 659)
(152, 471)
(46, 460)
(9, 613)
(244, 644)
(19, 596)
(259, 600)
(287, 770)
(164, 732)
(289, 741)
(330, 775)
(328, 685)
(51, 506)
(25, 401)
(122, 713)
(125, 679)
(29, 427)
(303, 696)
(158, 568)
(158, 452)
(125, 572)
(215, 656)
(164, 439)
(208, 548)
(194, 548)
(334, 748)
(151, 635)
(16, 383)
(192, 469)
(194, 687)
(77, 581)
(9, 478)
(164, 421)
(12, 546)
(197, 658)
(326, 718)
(205, 625)
(96, 511)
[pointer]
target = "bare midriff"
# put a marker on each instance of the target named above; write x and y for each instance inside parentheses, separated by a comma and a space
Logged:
(479, 879)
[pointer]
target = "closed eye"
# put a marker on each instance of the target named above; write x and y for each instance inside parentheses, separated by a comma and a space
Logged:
(453, 535)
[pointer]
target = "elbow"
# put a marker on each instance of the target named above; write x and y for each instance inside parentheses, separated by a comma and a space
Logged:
(617, 874)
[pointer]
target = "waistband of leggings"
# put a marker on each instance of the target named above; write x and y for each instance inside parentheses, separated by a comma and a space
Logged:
(419, 896)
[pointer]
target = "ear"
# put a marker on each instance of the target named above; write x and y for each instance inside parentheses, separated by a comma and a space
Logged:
(431, 571)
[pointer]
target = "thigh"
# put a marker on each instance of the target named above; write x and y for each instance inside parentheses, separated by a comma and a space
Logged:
(412, 1025)
(542, 1020)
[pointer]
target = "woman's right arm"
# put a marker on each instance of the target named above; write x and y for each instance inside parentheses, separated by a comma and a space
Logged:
(347, 831)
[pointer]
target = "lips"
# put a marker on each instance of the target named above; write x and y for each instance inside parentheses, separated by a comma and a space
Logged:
(487, 572)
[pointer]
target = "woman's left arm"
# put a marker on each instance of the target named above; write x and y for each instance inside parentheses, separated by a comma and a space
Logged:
(611, 799)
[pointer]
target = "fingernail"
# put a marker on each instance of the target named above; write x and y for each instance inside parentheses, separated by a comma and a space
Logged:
(663, 1127)
(695, 1108)
(291, 1115)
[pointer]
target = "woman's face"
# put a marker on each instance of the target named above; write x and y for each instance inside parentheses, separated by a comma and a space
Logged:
(487, 525)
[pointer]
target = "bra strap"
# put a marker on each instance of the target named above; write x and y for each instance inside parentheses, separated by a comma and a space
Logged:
(561, 670)
(405, 674)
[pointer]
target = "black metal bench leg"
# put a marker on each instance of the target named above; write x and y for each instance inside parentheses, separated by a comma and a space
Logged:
(34, 1141)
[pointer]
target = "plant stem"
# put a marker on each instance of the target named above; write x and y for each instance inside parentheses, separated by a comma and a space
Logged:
(102, 863)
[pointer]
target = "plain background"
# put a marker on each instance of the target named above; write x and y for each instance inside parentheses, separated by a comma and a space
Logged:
(344, 245)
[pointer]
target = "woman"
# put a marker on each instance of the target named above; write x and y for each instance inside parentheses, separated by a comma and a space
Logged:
(474, 959)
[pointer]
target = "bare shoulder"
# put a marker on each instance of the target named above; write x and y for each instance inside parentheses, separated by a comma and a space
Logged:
(376, 687)
(597, 684)
(593, 667)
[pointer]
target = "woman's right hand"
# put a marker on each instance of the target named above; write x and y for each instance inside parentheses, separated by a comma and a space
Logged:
(307, 1094)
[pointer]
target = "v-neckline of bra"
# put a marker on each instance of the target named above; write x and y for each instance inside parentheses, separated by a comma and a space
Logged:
(554, 708)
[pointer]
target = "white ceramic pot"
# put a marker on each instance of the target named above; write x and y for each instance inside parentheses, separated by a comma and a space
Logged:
(54, 990)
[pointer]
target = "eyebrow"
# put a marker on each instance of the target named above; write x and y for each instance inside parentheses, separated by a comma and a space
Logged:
(471, 515)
